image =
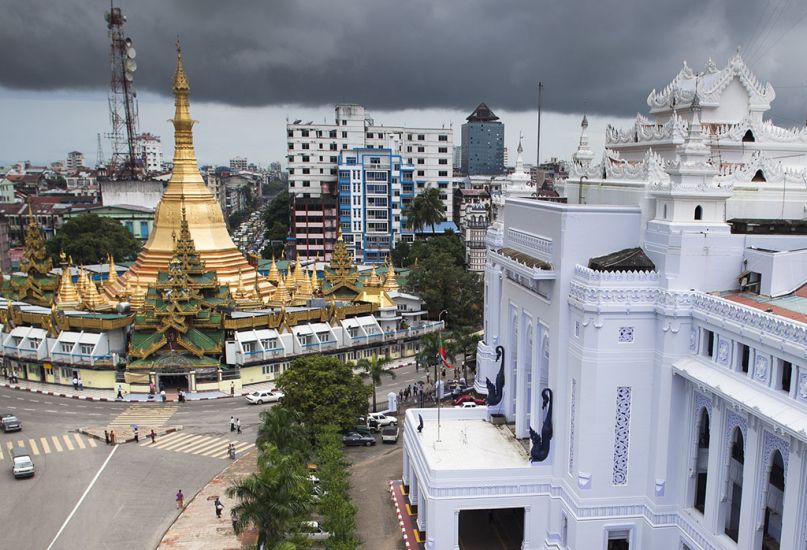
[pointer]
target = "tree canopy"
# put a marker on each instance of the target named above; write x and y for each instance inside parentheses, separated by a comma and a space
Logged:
(89, 238)
(276, 220)
(324, 390)
(426, 209)
(439, 277)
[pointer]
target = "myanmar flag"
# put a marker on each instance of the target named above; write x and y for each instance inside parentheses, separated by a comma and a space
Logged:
(442, 353)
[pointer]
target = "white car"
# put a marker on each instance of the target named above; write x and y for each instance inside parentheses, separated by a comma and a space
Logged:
(265, 396)
(382, 419)
(313, 531)
(466, 405)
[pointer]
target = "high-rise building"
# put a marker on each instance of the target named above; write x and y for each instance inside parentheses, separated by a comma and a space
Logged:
(313, 157)
(374, 187)
(482, 143)
(150, 149)
(74, 162)
(239, 164)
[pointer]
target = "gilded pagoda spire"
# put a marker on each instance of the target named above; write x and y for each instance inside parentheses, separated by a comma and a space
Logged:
(341, 271)
(281, 296)
(112, 275)
(373, 281)
(67, 294)
(274, 274)
(316, 285)
(35, 260)
(390, 282)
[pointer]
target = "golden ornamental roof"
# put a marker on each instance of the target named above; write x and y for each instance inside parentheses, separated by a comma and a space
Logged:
(390, 282)
(67, 294)
(374, 280)
(35, 260)
(342, 272)
(299, 273)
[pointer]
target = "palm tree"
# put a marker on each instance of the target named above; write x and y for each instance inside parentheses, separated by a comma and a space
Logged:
(426, 209)
(429, 345)
(374, 369)
(284, 429)
(431, 209)
(464, 342)
(274, 500)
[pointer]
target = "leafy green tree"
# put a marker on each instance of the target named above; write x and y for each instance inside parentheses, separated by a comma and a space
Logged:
(426, 209)
(276, 219)
(334, 504)
(374, 368)
(274, 500)
(463, 342)
(324, 390)
(89, 238)
(283, 428)
(428, 348)
(400, 254)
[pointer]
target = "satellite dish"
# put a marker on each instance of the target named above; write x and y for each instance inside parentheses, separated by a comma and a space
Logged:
(128, 41)
(131, 53)
(129, 76)
(131, 65)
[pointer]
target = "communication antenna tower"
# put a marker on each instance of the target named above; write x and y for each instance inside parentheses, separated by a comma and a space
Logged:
(99, 153)
(122, 97)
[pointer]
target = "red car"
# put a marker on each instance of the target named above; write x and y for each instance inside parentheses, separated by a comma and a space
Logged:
(465, 398)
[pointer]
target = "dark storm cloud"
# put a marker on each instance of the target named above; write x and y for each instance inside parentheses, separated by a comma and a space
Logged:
(595, 55)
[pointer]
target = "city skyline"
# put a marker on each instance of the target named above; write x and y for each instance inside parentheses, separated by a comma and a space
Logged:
(299, 60)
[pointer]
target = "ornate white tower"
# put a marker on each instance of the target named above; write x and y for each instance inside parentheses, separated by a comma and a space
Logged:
(583, 155)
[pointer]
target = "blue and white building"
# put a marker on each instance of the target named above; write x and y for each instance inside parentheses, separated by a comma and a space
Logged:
(375, 186)
(667, 317)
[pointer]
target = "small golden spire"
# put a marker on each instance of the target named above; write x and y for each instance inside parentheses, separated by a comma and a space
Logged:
(67, 294)
(112, 276)
(274, 274)
(373, 281)
(390, 282)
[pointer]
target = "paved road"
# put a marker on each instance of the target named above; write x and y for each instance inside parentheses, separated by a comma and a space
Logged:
(129, 499)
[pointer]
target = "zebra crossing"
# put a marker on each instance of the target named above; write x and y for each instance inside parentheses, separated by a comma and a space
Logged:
(48, 445)
(200, 445)
(150, 415)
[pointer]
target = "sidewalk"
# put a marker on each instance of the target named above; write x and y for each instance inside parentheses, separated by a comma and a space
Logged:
(90, 394)
(197, 528)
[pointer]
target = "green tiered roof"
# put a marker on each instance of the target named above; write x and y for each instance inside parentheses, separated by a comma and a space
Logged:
(181, 322)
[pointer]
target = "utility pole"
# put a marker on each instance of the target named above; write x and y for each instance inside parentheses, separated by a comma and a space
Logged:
(540, 102)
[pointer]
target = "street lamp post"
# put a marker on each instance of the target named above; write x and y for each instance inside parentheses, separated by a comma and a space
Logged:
(437, 380)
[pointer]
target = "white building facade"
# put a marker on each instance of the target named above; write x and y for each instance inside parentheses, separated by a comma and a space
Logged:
(150, 149)
(313, 165)
(679, 388)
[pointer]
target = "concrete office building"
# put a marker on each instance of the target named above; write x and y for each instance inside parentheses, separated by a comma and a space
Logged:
(482, 143)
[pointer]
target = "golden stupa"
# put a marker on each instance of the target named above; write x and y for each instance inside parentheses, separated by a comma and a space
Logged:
(205, 219)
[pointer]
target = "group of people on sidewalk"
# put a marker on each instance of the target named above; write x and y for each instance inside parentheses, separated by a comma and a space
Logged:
(235, 424)
(218, 507)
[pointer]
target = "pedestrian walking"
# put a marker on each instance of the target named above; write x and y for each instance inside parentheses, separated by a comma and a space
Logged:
(120, 393)
(111, 437)
(234, 518)
(106, 437)
(136, 435)
(232, 389)
(232, 424)
(180, 500)
(428, 378)
(238, 425)
(75, 383)
(153, 437)
(219, 507)
(162, 395)
(80, 384)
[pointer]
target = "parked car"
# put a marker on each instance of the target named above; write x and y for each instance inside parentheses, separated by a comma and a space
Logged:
(21, 463)
(352, 439)
(313, 531)
(264, 396)
(10, 423)
(389, 434)
(362, 429)
(468, 398)
(467, 405)
(382, 419)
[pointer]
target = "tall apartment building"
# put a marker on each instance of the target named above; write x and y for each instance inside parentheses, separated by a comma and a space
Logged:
(239, 164)
(374, 187)
(482, 143)
(74, 162)
(314, 159)
(150, 149)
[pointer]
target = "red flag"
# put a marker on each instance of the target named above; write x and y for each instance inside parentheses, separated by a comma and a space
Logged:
(443, 354)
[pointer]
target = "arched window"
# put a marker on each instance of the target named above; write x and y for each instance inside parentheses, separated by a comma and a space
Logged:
(748, 137)
(774, 502)
(759, 176)
(735, 484)
(702, 461)
(699, 212)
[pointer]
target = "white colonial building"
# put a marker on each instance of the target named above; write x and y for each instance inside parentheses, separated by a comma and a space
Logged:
(667, 316)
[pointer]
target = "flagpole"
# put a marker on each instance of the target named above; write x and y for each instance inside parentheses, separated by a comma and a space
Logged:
(436, 379)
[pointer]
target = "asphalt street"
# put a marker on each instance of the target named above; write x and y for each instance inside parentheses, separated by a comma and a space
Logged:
(83, 498)
(128, 504)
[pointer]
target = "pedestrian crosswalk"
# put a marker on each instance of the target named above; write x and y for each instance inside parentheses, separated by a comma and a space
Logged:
(182, 442)
(46, 445)
(151, 415)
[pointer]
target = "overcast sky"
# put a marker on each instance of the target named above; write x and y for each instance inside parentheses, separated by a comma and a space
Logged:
(253, 63)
